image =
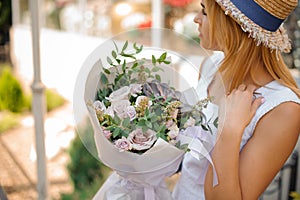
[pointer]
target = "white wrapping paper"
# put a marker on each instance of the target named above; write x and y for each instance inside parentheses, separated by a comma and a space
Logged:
(136, 175)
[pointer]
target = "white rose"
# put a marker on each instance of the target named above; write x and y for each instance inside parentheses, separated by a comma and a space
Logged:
(110, 111)
(99, 106)
(135, 89)
(120, 94)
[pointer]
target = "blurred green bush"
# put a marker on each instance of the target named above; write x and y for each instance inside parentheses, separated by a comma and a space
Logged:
(86, 172)
(15, 102)
(11, 93)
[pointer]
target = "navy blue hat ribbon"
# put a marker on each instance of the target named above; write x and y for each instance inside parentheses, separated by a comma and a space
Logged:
(258, 15)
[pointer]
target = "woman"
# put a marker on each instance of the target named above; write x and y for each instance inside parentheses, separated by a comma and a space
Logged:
(260, 113)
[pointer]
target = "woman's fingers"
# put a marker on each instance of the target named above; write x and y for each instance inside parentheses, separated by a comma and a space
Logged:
(241, 105)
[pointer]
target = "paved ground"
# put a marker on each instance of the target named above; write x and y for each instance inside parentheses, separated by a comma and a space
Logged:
(18, 163)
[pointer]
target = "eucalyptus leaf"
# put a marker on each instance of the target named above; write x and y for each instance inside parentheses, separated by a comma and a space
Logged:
(109, 60)
(140, 49)
(116, 47)
(106, 71)
(125, 46)
(116, 132)
(157, 77)
(103, 79)
(148, 124)
(153, 60)
(114, 54)
(126, 122)
(128, 55)
(163, 57)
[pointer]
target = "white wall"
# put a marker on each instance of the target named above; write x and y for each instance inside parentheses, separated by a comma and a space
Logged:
(62, 55)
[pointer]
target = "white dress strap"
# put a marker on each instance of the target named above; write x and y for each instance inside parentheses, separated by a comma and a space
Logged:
(274, 94)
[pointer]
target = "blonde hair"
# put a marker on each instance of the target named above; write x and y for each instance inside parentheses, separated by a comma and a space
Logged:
(242, 53)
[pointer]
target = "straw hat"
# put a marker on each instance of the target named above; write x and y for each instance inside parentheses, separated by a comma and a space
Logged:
(262, 19)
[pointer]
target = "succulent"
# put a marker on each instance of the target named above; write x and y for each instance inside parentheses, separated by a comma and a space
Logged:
(158, 90)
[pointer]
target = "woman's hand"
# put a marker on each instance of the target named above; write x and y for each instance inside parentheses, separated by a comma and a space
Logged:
(238, 108)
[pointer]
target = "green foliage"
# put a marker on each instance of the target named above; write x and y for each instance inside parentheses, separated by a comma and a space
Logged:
(8, 120)
(86, 172)
(5, 10)
(125, 72)
(53, 99)
(295, 195)
(11, 93)
(83, 167)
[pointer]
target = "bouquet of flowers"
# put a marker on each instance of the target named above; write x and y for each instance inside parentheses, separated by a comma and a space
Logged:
(143, 126)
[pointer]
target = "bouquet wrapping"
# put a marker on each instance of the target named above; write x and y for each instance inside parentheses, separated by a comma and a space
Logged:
(143, 136)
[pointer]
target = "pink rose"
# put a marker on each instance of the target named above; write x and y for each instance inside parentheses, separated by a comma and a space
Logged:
(140, 140)
(123, 144)
(107, 133)
(131, 112)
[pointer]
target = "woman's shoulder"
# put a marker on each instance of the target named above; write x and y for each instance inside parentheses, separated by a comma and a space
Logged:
(281, 103)
(275, 94)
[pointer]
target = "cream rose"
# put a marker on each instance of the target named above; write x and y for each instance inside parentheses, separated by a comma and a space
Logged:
(120, 94)
(135, 89)
(140, 140)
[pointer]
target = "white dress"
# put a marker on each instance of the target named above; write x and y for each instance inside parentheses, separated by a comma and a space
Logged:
(189, 185)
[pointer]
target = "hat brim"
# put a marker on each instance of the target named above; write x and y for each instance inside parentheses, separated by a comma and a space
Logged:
(277, 40)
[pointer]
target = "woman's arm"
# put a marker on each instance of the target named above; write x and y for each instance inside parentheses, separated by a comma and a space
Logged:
(246, 174)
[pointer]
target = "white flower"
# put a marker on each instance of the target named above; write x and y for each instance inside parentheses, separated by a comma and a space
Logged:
(120, 107)
(131, 112)
(140, 99)
(174, 131)
(110, 111)
(135, 89)
(140, 140)
(123, 144)
(190, 122)
(120, 94)
(99, 106)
